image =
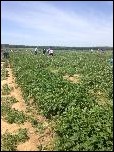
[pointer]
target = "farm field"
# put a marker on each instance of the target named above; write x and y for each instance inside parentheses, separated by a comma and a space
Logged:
(71, 91)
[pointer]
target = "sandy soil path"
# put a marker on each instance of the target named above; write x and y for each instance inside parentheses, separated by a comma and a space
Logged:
(35, 139)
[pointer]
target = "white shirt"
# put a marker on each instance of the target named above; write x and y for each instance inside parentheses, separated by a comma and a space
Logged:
(50, 51)
(35, 49)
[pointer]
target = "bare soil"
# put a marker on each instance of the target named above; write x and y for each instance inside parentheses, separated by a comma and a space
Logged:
(36, 139)
(74, 79)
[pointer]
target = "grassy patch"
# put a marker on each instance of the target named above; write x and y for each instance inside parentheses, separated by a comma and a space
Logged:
(72, 78)
(12, 115)
(9, 100)
(4, 73)
(46, 147)
(36, 124)
(5, 109)
(53, 70)
(100, 96)
(39, 127)
(6, 64)
(42, 148)
(6, 90)
(9, 141)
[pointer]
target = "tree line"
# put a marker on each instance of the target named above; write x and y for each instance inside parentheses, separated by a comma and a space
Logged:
(56, 47)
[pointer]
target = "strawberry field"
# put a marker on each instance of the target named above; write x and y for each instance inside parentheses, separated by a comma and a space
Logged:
(73, 89)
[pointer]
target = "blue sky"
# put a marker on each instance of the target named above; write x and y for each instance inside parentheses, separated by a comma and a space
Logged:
(57, 23)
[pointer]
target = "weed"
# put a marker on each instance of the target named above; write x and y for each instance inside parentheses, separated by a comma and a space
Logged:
(9, 141)
(9, 100)
(12, 115)
(6, 90)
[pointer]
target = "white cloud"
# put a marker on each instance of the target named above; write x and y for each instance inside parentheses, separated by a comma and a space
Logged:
(58, 25)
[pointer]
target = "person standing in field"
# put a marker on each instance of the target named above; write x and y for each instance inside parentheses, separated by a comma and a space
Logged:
(6, 53)
(36, 51)
(44, 51)
(91, 50)
(50, 52)
(47, 51)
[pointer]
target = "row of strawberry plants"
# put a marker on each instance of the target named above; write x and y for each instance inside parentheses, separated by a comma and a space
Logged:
(85, 130)
(50, 91)
(56, 96)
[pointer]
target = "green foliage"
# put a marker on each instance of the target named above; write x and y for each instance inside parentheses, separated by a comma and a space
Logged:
(6, 89)
(12, 115)
(6, 63)
(9, 100)
(81, 122)
(82, 129)
(36, 124)
(4, 73)
(9, 141)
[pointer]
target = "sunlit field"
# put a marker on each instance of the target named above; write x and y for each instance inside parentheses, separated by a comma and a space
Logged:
(72, 89)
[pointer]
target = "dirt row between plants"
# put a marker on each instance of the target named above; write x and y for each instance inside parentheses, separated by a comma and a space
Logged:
(36, 139)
